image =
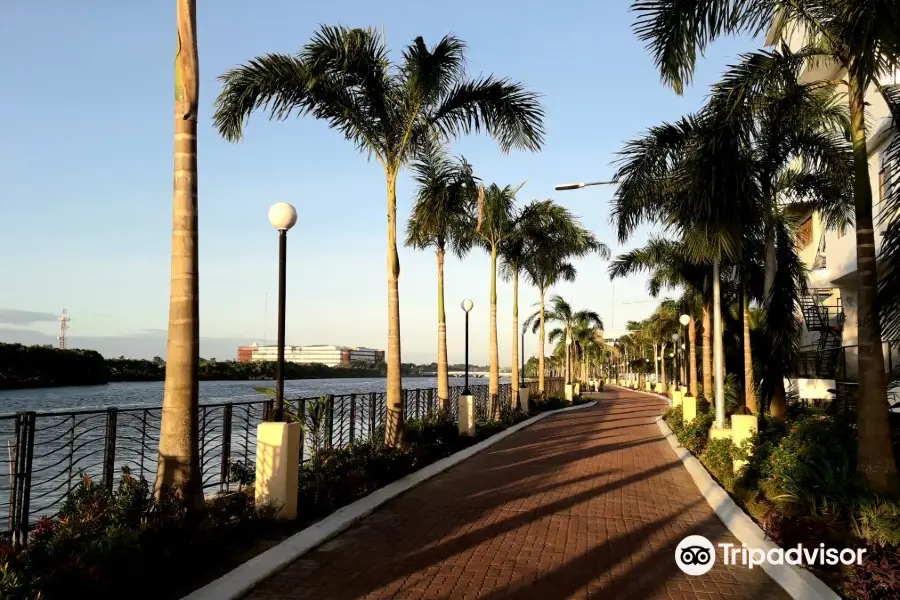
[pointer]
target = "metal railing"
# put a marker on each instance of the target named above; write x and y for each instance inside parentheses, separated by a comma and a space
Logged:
(47, 453)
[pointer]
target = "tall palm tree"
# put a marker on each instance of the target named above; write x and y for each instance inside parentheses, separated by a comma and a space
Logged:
(691, 178)
(540, 225)
(496, 226)
(179, 459)
(860, 38)
(797, 145)
(563, 238)
(441, 219)
(345, 77)
(544, 270)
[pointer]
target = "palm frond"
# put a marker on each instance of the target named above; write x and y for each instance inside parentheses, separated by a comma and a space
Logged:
(510, 113)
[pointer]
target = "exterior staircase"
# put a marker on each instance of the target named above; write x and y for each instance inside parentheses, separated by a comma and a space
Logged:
(828, 321)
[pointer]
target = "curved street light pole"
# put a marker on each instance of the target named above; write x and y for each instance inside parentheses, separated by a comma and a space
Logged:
(577, 186)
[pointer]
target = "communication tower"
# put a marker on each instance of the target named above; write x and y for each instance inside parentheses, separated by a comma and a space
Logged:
(63, 327)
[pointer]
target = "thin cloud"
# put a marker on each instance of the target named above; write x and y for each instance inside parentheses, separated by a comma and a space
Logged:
(13, 316)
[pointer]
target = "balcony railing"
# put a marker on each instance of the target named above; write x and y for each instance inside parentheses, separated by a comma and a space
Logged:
(842, 364)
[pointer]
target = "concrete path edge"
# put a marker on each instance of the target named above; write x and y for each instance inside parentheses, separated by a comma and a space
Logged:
(799, 583)
(237, 582)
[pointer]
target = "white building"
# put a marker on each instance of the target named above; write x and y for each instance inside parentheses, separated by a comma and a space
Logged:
(830, 354)
(332, 356)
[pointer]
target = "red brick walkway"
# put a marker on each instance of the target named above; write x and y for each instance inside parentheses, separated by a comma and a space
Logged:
(588, 504)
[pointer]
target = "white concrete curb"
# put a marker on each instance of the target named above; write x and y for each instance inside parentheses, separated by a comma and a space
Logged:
(239, 581)
(799, 583)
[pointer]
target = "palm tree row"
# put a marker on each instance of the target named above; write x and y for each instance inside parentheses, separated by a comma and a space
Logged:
(393, 112)
(721, 182)
(453, 210)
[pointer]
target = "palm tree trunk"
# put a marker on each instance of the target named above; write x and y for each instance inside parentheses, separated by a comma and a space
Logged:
(443, 382)
(707, 352)
(719, 355)
(515, 339)
(749, 383)
(692, 357)
(494, 384)
(541, 346)
(778, 402)
(394, 433)
(179, 460)
(656, 360)
(771, 264)
(876, 465)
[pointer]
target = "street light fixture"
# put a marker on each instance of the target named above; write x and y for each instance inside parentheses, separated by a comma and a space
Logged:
(467, 306)
(577, 186)
(684, 320)
(282, 216)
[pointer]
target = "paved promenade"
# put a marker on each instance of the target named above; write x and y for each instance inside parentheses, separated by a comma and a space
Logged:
(586, 504)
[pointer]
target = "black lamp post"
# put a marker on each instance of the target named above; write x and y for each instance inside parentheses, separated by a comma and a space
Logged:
(684, 320)
(282, 216)
(675, 361)
(467, 306)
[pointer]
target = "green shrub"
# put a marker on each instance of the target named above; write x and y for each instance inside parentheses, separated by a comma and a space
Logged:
(878, 521)
(813, 467)
(695, 435)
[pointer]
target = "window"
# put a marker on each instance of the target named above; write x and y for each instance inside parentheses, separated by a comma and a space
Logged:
(804, 233)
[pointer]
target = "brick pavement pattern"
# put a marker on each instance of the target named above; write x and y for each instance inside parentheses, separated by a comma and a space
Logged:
(586, 504)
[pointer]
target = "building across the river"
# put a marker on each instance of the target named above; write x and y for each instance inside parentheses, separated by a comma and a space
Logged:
(333, 356)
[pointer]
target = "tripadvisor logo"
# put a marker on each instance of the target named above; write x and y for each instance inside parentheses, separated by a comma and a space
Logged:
(696, 555)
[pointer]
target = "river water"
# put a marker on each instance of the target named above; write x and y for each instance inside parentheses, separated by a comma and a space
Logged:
(150, 393)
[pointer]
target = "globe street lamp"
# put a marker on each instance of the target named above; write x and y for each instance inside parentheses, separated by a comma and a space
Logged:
(282, 216)
(467, 306)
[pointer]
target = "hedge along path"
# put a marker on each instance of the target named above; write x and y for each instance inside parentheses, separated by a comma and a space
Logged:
(584, 503)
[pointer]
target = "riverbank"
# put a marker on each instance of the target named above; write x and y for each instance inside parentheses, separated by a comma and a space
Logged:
(30, 367)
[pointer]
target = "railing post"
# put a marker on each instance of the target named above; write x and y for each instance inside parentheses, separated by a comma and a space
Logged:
(226, 447)
(329, 420)
(352, 417)
(418, 405)
(372, 416)
(109, 449)
(24, 454)
(269, 410)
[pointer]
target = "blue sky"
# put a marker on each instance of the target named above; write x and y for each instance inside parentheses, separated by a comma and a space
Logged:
(86, 166)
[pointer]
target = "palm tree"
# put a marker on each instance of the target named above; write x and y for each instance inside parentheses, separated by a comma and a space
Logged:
(179, 459)
(496, 226)
(796, 132)
(692, 178)
(544, 271)
(860, 38)
(564, 238)
(562, 313)
(540, 225)
(670, 267)
(441, 218)
(344, 77)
